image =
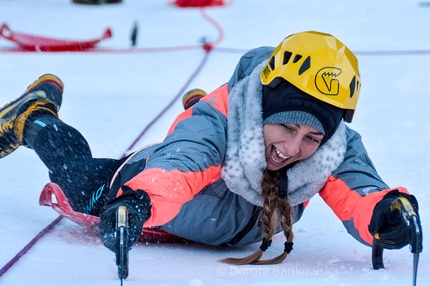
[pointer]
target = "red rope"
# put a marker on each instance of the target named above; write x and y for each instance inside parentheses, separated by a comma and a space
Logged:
(207, 47)
(180, 93)
(217, 26)
(28, 246)
(216, 49)
(111, 51)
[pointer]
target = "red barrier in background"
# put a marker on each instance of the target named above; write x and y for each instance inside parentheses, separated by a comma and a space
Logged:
(199, 3)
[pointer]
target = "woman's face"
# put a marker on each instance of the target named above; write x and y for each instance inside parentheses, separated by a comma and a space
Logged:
(287, 143)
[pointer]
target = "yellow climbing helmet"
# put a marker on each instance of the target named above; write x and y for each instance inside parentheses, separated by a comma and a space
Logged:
(318, 64)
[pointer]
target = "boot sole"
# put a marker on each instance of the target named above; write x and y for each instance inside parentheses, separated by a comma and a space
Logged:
(28, 93)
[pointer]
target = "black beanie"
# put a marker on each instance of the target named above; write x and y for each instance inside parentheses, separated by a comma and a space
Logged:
(287, 104)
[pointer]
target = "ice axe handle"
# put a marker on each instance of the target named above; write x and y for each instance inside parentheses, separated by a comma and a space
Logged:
(377, 256)
(415, 235)
(413, 221)
(122, 248)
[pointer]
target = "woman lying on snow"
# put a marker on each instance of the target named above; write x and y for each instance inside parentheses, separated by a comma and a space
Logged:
(236, 167)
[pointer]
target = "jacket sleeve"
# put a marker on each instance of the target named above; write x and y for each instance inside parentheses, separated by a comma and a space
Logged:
(354, 189)
(189, 159)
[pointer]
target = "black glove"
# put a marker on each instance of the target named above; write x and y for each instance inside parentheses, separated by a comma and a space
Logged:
(387, 222)
(138, 205)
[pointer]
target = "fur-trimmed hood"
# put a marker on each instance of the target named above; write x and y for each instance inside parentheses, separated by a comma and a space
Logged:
(245, 159)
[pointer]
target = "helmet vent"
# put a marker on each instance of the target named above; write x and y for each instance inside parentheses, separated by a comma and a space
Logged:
(297, 58)
(305, 66)
(272, 63)
(287, 56)
(352, 86)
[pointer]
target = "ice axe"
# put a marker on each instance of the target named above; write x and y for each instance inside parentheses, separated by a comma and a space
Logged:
(415, 237)
(121, 242)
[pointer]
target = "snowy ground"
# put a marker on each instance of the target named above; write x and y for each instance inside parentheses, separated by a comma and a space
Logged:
(110, 97)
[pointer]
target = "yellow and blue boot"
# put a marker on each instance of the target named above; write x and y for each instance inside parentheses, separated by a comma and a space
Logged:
(192, 97)
(44, 96)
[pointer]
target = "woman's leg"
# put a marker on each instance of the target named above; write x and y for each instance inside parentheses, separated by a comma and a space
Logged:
(67, 155)
(32, 120)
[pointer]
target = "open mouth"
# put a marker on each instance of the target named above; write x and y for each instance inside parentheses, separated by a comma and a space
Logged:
(277, 157)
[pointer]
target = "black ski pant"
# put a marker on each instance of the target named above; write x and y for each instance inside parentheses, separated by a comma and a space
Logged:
(65, 152)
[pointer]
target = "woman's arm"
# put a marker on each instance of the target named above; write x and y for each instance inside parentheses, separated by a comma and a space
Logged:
(355, 188)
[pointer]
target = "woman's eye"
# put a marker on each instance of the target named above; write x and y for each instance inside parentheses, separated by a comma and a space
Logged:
(287, 127)
(313, 139)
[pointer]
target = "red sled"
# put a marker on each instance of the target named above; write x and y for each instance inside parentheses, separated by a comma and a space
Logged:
(198, 3)
(52, 195)
(44, 44)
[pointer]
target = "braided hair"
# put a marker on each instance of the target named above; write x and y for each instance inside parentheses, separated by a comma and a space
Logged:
(273, 204)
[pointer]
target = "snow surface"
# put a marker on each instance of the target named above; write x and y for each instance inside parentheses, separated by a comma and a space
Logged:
(111, 97)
